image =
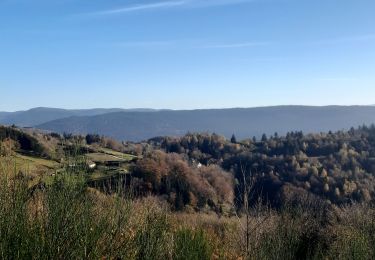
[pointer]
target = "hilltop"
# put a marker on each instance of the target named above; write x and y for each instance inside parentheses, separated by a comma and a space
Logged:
(243, 122)
(40, 115)
(142, 124)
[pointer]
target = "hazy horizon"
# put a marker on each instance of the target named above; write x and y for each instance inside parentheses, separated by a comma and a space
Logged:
(177, 109)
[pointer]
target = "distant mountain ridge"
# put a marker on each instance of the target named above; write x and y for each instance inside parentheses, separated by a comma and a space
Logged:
(40, 115)
(243, 122)
(3, 115)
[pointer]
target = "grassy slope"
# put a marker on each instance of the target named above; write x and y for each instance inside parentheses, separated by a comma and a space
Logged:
(124, 156)
(31, 164)
(102, 158)
(28, 164)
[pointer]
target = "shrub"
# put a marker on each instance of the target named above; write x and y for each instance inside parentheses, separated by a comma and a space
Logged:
(191, 245)
(153, 236)
(15, 232)
(352, 243)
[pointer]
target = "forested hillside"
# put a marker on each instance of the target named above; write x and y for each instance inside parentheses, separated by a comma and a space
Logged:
(200, 170)
(244, 122)
(335, 167)
(42, 115)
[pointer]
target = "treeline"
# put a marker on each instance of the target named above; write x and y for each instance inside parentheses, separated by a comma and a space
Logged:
(94, 139)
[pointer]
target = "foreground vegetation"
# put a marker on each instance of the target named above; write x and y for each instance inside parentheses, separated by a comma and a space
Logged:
(181, 203)
(68, 220)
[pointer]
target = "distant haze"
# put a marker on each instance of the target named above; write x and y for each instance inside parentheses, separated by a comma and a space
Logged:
(243, 122)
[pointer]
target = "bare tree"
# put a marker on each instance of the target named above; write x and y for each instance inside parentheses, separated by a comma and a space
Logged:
(254, 214)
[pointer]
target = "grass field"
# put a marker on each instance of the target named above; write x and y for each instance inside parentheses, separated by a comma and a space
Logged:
(38, 161)
(124, 156)
(109, 155)
(103, 158)
(44, 168)
(28, 163)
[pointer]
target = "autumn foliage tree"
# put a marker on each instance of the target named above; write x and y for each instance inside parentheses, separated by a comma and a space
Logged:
(183, 183)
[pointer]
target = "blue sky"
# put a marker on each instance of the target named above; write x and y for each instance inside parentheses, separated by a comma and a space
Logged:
(185, 54)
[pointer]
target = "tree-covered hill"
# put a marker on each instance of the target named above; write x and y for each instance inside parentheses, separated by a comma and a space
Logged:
(333, 167)
(40, 115)
(243, 122)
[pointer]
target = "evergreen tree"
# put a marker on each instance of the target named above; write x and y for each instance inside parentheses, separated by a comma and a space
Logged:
(233, 139)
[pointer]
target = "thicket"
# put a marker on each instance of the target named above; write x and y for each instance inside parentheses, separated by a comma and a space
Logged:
(183, 184)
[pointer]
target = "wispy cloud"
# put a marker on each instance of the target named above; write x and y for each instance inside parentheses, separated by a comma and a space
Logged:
(141, 7)
(209, 3)
(167, 5)
(236, 45)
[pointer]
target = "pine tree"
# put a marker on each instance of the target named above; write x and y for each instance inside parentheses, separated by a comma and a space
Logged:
(233, 139)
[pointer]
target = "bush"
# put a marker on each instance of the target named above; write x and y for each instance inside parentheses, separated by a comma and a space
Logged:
(191, 245)
(352, 243)
(353, 232)
(152, 238)
(15, 232)
(70, 227)
(92, 138)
